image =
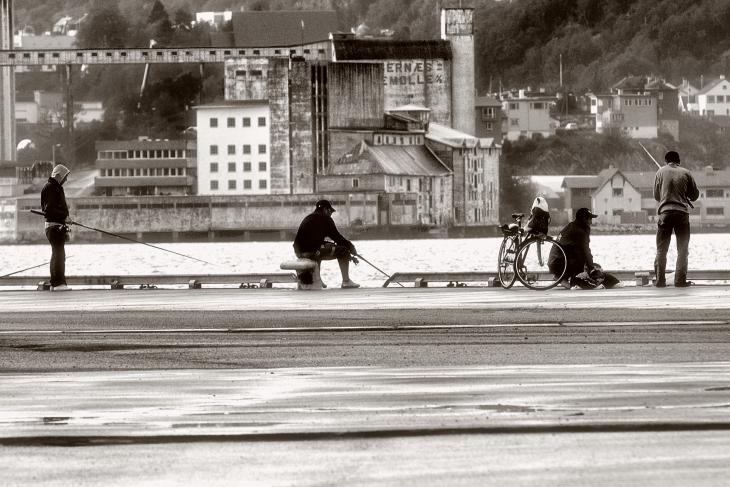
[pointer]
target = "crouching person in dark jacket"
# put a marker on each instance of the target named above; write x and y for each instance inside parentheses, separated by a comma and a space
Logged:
(310, 241)
(53, 204)
(580, 270)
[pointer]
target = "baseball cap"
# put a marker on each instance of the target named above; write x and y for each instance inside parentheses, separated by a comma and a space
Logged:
(585, 213)
(324, 204)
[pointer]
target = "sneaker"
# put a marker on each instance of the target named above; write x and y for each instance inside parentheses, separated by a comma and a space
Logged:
(565, 283)
(60, 288)
(684, 284)
(349, 285)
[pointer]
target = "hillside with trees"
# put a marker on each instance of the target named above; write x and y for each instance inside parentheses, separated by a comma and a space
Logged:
(519, 43)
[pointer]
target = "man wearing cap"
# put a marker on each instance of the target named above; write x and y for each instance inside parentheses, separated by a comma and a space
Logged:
(580, 271)
(674, 190)
(310, 241)
(53, 204)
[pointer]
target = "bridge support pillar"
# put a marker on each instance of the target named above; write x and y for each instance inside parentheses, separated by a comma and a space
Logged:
(7, 85)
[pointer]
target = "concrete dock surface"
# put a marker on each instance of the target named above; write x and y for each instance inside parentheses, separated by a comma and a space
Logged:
(399, 386)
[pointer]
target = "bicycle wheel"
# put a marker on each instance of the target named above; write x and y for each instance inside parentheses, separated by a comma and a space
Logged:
(506, 262)
(531, 263)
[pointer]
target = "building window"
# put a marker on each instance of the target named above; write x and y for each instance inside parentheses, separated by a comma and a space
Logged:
(246, 167)
(537, 106)
(487, 113)
(715, 193)
(246, 121)
(355, 183)
(214, 185)
(213, 150)
(213, 167)
(489, 126)
(262, 121)
(262, 166)
(514, 106)
(246, 149)
(213, 123)
(515, 122)
(262, 184)
(231, 167)
(408, 184)
(231, 122)
(231, 184)
(262, 148)
(715, 211)
(710, 99)
(246, 184)
(231, 150)
(618, 192)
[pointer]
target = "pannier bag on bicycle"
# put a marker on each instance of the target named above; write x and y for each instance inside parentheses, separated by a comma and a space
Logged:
(539, 220)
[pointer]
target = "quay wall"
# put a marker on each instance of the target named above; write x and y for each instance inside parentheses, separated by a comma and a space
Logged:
(181, 215)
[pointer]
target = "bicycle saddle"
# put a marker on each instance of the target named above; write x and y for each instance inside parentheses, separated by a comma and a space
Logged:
(518, 215)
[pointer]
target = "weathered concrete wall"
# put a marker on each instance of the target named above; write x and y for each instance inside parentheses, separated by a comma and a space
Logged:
(425, 82)
(366, 182)
(458, 27)
(162, 214)
(355, 95)
(266, 79)
(343, 141)
(302, 158)
(279, 104)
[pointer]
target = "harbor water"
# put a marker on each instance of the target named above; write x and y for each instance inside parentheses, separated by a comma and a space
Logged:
(619, 252)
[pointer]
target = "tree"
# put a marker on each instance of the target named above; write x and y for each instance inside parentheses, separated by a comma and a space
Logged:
(104, 27)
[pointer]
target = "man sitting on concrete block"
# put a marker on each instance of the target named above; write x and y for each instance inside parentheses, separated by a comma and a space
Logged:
(310, 243)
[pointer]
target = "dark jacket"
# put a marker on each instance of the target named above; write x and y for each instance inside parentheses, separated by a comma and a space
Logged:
(674, 186)
(53, 202)
(312, 232)
(575, 240)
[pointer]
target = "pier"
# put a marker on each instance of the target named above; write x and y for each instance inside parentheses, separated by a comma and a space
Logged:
(391, 386)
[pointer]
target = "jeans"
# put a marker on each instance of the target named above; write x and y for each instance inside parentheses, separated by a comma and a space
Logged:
(57, 237)
(677, 222)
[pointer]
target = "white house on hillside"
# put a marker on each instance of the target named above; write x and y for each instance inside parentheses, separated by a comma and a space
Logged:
(714, 99)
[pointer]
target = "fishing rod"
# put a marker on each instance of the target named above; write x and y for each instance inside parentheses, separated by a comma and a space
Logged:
(127, 238)
(649, 154)
(23, 270)
(379, 270)
(660, 166)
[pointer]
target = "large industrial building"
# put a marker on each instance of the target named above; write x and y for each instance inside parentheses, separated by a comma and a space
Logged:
(328, 95)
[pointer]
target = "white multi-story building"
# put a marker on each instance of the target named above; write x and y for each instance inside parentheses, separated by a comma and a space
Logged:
(528, 116)
(234, 148)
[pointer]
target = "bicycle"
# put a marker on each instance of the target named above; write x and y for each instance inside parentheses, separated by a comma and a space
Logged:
(524, 256)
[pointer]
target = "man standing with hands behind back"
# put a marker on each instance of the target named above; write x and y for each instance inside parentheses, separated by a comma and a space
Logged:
(674, 189)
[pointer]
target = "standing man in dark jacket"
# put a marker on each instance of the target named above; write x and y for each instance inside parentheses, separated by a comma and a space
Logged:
(310, 241)
(674, 190)
(580, 271)
(53, 204)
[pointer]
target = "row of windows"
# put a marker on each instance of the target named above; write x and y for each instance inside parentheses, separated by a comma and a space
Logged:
(143, 171)
(715, 211)
(146, 154)
(232, 183)
(639, 102)
(231, 149)
(718, 99)
(398, 140)
(231, 122)
(535, 105)
(233, 167)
